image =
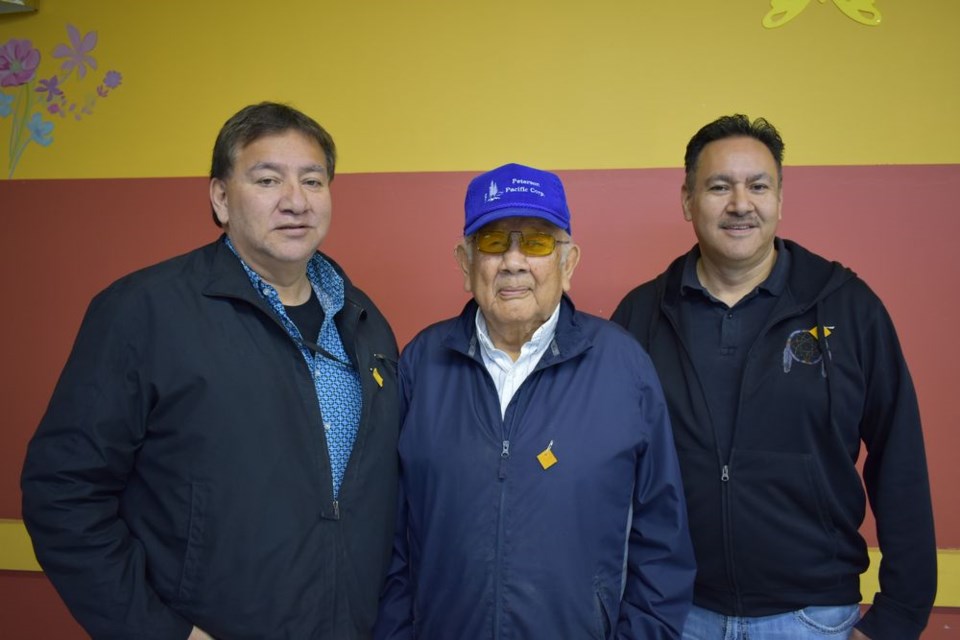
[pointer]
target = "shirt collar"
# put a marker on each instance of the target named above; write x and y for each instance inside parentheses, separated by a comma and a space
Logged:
(324, 279)
(537, 344)
(774, 283)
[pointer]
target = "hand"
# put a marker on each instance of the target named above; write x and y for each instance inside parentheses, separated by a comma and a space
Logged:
(199, 634)
(856, 634)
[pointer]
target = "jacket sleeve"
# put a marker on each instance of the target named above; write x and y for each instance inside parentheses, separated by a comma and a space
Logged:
(625, 315)
(395, 618)
(660, 561)
(895, 476)
(75, 471)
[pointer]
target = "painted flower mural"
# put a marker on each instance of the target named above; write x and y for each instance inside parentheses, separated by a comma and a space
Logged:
(77, 54)
(28, 99)
(18, 62)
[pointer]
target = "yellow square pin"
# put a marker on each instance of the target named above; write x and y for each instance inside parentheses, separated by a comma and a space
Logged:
(546, 457)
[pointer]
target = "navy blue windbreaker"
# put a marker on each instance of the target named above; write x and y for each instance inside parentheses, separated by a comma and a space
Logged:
(493, 545)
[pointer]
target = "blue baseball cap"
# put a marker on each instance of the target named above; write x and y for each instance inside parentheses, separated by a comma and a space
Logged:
(515, 190)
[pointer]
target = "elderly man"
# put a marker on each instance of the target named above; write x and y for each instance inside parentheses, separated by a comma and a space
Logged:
(776, 364)
(219, 456)
(540, 492)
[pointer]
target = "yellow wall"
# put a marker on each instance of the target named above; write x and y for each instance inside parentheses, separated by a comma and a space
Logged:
(431, 86)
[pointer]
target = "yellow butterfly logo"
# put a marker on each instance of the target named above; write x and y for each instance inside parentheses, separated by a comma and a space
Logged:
(783, 11)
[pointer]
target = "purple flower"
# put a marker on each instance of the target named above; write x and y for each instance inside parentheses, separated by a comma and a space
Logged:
(18, 62)
(53, 108)
(50, 87)
(77, 57)
(40, 130)
(112, 79)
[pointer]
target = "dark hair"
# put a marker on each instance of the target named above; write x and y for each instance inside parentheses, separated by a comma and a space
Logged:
(735, 126)
(258, 120)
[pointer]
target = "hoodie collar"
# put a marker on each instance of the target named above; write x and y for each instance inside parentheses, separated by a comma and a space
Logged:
(808, 279)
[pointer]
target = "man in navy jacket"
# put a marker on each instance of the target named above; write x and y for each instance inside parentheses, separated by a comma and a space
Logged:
(219, 455)
(776, 365)
(540, 494)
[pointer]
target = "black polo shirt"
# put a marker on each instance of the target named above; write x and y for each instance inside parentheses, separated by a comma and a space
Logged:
(719, 336)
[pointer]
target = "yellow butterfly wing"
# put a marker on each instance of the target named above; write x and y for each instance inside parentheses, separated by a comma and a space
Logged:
(862, 11)
(783, 11)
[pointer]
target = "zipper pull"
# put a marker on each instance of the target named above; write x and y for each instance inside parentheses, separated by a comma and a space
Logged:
(725, 474)
(504, 455)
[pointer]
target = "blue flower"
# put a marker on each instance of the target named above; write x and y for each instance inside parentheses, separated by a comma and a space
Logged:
(5, 102)
(40, 130)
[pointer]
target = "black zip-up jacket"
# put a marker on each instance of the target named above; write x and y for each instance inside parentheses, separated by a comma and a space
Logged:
(180, 475)
(775, 518)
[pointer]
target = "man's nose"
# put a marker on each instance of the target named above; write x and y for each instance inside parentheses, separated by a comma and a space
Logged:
(513, 258)
(294, 198)
(740, 202)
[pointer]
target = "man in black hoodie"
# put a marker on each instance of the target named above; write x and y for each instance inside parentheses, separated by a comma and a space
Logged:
(776, 364)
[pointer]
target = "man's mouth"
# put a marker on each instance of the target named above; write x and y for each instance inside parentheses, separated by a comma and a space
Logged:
(738, 226)
(512, 292)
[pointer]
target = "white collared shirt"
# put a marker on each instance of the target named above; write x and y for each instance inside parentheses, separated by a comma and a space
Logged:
(509, 375)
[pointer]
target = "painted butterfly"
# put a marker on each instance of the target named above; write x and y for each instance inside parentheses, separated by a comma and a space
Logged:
(783, 11)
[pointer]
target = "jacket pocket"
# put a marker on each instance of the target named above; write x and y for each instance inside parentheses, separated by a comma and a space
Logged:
(602, 609)
(384, 365)
(782, 535)
(192, 571)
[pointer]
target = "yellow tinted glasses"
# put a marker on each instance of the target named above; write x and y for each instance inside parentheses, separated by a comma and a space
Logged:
(531, 243)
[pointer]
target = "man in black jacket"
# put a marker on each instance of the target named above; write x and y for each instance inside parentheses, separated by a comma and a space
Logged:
(776, 364)
(219, 455)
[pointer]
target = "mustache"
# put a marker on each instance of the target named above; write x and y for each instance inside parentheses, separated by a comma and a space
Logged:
(748, 221)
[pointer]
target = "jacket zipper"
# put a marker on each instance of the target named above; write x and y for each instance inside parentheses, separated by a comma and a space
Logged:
(501, 474)
(366, 397)
(504, 454)
(501, 477)
(724, 459)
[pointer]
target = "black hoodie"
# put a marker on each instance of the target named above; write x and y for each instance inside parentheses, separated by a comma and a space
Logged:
(775, 518)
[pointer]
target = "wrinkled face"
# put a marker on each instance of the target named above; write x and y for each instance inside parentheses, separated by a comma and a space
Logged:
(275, 206)
(735, 202)
(517, 292)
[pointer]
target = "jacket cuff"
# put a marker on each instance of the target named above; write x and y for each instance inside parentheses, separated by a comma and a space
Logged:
(887, 620)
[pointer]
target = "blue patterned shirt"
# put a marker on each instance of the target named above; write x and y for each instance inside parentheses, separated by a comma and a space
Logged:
(336, 381)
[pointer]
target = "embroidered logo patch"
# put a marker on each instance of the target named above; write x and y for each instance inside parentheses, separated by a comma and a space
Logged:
(493, 193)
(803, 345)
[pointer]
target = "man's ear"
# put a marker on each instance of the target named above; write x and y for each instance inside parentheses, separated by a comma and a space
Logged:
(218, 200)
(569, 265)
(685, 203)
(463, 259)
